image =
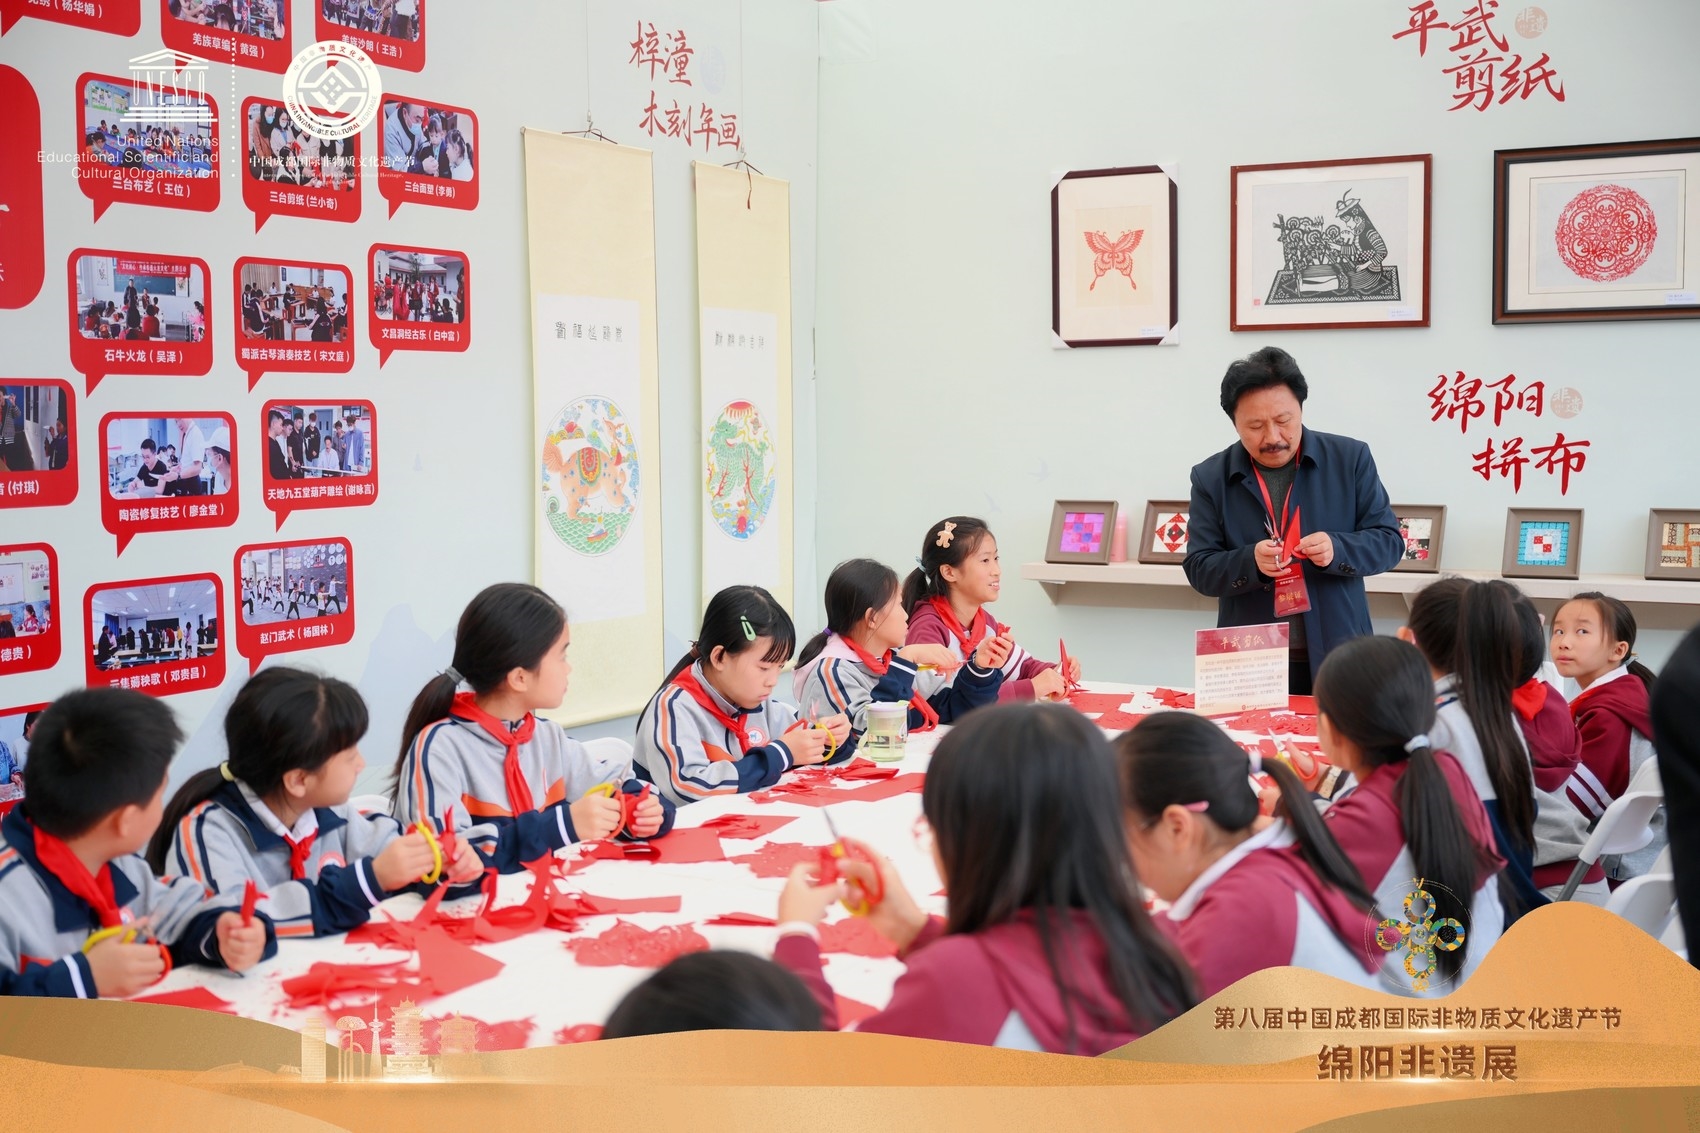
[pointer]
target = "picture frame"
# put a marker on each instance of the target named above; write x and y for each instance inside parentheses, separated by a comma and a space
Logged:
(1350, 246)
(1153, 546)
(1115, 258)
(1595, 233)
(1542, 543)
(1081, 531)
(1673, 544)
(1424, 529)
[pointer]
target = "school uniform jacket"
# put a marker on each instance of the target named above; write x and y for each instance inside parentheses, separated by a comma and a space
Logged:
(1299, 920)
(1614, 722)
(1366, 821)
(689, 755)
(927, 628)
(990, 988)
(837, 681)
(43, 926)
(455, 762)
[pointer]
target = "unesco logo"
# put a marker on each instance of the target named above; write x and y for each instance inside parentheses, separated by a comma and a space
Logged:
(332, 89)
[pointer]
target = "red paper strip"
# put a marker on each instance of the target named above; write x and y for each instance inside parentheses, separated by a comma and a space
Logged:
(196, 997)
(627, 945)
(747, 826)
(742, 920)
(776, 858)
(590, 905)
(854, 935)
(578, 1033)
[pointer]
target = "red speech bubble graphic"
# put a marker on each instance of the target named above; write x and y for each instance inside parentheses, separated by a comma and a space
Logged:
(117, 17)
(440, 167)
(293, 596)
(418, 299)
(13, 743)
(397, 40)
(160, 635)
(146, 491)
(292, 316)
(145, 143)
(29, 608)
(260, 40)
(22, 258)
(39, 467)
(123, 335)
(331, 462)
(293, 173)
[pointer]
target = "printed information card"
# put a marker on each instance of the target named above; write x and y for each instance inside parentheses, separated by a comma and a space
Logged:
(1236, 668)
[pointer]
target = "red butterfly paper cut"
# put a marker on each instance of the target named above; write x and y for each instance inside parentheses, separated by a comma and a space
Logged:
(1113, 255)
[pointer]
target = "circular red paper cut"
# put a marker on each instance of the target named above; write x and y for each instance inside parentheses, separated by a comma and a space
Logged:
(1605, 233)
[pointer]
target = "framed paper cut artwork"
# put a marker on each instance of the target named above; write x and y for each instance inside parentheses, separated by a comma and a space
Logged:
(1114, 258)
(1162, 537)
(1596, 232)
(1673, 544)
(1320, 244)
(1081, 531)
(1424, 529)
(1542, 543)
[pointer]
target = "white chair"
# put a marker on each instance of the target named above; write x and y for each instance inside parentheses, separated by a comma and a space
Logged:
(1661, 864)
(1674, 939)
(1646, 778)
(370, 804)
(609, 749)
(1624, 828)
(1647, 902)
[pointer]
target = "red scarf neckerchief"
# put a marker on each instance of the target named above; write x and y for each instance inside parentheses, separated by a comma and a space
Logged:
(687, 680)
(971, 637)
(298, 851)
(880, 666)
(1530, 698)
(95, 889)
(520, 799)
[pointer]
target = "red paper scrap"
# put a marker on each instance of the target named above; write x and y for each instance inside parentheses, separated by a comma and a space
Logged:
(742, 920)
(590, 905)
(852, 1011)
(681, 847)
(578, 1033)
(197, 997)
(1174, 698)
(511, 1035)
(627, 945)
(1261, 721)
(863, 769)
(1118, 721)
(776, 858)
(1091, 702)
(1302, 705)
(748, 826)
(855, 936)
(326, 982)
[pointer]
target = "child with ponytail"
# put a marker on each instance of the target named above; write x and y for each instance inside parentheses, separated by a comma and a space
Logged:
(861, 658)
(1413, 816)
(518, 786)
(945, 597)
(712, 727)
(1192, 823)
(276, 813)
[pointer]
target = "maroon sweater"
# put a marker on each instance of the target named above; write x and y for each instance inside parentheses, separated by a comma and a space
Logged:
(926, 627)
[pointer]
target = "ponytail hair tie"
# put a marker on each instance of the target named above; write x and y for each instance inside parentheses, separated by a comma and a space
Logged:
(453, 674)
(224, 770)
(920, 564)
(1420, 740)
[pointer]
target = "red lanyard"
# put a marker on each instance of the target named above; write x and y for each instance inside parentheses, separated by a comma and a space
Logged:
(1287, 531)
(687, 680)
(520, 800)
(95, 889)
(879, 668)
(971, 637)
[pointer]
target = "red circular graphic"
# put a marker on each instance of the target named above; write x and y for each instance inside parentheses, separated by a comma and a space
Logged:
(1606, 232)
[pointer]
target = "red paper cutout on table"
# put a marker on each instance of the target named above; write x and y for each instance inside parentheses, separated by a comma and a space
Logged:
(196, 997)
(578, 1033)
(1302, 705)
(1173, 698)
(747, 827)
(627, 945)
(776, 858)
(824, 794)
(1091, 702)
(590, 905)
(1262, 721)
(511, 1035)
(855, 936)
(742, 920)
(1118, 721)
(681, 847)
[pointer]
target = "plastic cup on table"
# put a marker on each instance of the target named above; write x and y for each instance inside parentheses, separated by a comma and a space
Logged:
(887, 736)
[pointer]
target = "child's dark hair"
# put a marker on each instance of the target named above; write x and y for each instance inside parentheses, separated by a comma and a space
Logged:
(736, 617)
(1618, 624)
(282, 720)
(96, 751)
(1377, 693)
(852, 589)
(1531, 640)
(715, 991)
(507, 626)
(1027, 818)
(1433, 621)
(962, 536)
(1176, 758)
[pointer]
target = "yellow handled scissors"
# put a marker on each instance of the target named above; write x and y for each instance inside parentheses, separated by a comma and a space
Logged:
(436, 872)
(126, 935)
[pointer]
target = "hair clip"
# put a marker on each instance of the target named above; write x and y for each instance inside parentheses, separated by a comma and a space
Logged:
(749, 632)
(453, 674)
(224, 771)
(1420, 740)
(946, 534)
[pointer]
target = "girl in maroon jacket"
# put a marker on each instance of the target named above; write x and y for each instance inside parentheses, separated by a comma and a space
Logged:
(1047, 945)
(1192, 820)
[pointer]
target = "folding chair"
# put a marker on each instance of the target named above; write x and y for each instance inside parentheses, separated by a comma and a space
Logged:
(1646, 778)
(609, 748)
(1647, 902)
(1624, 828)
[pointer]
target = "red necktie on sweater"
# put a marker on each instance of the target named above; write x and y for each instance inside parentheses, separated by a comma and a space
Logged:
(687, 680)
(971, 637)
(1530, 698)
(298, 852)
(520, 799)
(93, 888)
(879, 667)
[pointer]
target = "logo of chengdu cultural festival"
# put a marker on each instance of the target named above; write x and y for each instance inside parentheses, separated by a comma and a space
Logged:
(589, 475)
(332, 90)
(1420, 937)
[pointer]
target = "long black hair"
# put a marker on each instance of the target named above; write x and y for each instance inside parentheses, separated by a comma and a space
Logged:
(961, 536)
(712, 991)
(852, 589)
(1618, 624)
(1377, 693)
(1026, 815)
(282, 720)
(1175, 758)
(507, 626)
(735, 619)
(1531, 640)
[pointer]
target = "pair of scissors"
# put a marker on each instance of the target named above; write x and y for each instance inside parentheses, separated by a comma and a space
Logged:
(435, 873)
(628, 803)
(130, 934)
(861, 901)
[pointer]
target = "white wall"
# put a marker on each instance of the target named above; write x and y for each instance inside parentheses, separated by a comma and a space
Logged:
(455, 506)
(942, 128)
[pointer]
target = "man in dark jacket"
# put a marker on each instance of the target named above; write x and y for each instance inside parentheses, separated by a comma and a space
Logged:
(1318, 493)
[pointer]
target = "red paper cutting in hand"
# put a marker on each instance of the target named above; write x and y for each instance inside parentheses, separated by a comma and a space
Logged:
(627, 945)
(196, 997)
(511, 1035)
(1091, 702)
(855, 936)
(742, 920)
(578, 1033)
(776, 858)
(747, 826)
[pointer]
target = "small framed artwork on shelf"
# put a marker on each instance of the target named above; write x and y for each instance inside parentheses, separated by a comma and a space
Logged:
(1162, 537)
(1542, 543)
(1673, 544)
(1114, 258)
(1424, 529)
(1081, 531)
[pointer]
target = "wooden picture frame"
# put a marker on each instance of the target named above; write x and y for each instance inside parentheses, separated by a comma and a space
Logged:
(1081, 531)
(1596, 233)
(1424, 529)
(1542, 543)
(1673, 554)
(1349, 246)
(1115, 258)
(1161, 512)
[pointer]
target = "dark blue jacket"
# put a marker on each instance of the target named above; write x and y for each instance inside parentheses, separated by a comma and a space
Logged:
(1338, 491)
